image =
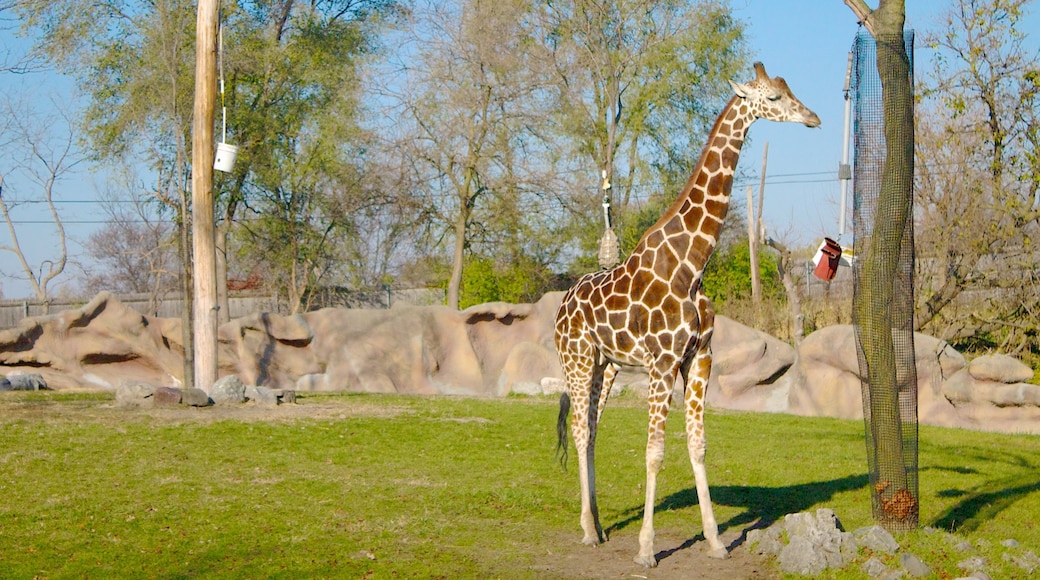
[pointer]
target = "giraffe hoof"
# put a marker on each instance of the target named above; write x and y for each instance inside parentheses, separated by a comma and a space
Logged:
(590, 541)
(645, 561)
(718, 553)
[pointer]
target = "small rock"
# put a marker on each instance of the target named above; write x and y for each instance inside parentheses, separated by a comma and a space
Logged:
(288, 397)
(876, 538)
(228, 389)
(28, 382)
(134, 394)
(167, 397)
(766, 541)
(195, 398)
(914, 566)
(262, 395)
(801, 557)
(962, 546)
(1010, 543)
(1028, 561)
(974, 563)
(874, 567)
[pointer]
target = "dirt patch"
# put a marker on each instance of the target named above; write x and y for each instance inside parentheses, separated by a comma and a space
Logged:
(19, 406)
(677, 556)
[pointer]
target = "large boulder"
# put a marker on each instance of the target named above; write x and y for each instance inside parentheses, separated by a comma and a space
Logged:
(746, 367)
(951, 392)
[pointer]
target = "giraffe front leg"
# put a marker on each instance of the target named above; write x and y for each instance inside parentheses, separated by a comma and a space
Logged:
(658, 399)
(696, 442)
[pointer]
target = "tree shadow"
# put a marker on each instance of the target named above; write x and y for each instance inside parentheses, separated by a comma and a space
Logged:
(762, 505)
(983, 503)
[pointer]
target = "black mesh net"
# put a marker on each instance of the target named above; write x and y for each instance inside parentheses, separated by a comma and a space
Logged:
(883, 271)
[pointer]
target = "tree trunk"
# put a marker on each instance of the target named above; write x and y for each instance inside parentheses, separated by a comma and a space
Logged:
(458, 255)
(874, 308)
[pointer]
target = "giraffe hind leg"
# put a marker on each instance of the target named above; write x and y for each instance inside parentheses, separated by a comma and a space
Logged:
(584, 394)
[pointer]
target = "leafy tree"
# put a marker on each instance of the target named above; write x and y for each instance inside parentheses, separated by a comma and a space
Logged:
(466, 116)
(728, 276)
(292, 97)
(636, 84)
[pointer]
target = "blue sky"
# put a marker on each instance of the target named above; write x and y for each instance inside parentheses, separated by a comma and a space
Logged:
(805, 41)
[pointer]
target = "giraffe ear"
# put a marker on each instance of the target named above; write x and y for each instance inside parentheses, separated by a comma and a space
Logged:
(740, 89)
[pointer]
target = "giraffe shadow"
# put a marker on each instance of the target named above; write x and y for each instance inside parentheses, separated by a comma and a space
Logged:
(762, 505)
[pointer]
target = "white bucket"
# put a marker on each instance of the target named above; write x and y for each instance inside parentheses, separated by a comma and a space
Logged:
(225, 160)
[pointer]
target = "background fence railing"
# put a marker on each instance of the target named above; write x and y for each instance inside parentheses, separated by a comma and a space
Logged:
(12, 311)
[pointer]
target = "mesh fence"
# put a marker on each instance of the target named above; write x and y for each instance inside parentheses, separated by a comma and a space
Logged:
(883, 272)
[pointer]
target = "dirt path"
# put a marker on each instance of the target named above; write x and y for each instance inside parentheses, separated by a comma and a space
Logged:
(678, 557)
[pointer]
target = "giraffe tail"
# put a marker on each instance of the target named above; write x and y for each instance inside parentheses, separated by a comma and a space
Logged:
(561, 429)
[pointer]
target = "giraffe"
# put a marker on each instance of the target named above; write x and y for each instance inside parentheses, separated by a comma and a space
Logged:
(651, 311)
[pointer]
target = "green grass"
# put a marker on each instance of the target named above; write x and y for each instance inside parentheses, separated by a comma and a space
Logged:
(387, 486)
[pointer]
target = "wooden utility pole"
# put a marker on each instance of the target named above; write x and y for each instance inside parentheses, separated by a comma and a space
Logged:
(204, 319)
(755, 228)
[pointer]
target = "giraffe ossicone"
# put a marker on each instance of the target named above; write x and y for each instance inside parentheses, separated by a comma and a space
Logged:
(651, 311)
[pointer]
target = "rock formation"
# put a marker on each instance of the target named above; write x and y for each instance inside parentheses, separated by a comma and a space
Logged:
(493, 350)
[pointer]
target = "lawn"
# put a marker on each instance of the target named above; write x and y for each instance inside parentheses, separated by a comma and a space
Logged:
(356, 486)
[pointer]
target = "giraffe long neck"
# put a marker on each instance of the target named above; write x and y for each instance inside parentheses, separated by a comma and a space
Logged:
(692, 223)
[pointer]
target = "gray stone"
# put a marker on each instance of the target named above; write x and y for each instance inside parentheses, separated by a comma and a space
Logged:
(974, 564)
(962, 546)
(874, 567)
(766, 541)
(134, 394)
(228, 389)
(288, 397)
(1028, 561)
(27, 382)
(167, 397)
(914, 566)
(262, 395)
(195, 398)
(1010, 543)
(876, 538)
(801, 557)
(892, 575)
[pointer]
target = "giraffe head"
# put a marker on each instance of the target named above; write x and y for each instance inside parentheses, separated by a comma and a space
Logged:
(770, 98)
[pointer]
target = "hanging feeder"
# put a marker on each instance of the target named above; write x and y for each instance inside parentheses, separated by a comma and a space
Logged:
(827, 259)
(226, 152)
(609, 249)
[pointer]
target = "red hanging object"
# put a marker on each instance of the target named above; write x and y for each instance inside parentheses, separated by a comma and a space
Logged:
(826, 260)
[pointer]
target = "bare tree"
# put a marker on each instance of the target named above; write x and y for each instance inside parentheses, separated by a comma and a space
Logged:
(137, 250)
(13, 61)
(978, 190)
(39, 150)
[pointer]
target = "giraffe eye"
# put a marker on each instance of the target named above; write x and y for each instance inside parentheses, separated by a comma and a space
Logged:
(774, 98)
